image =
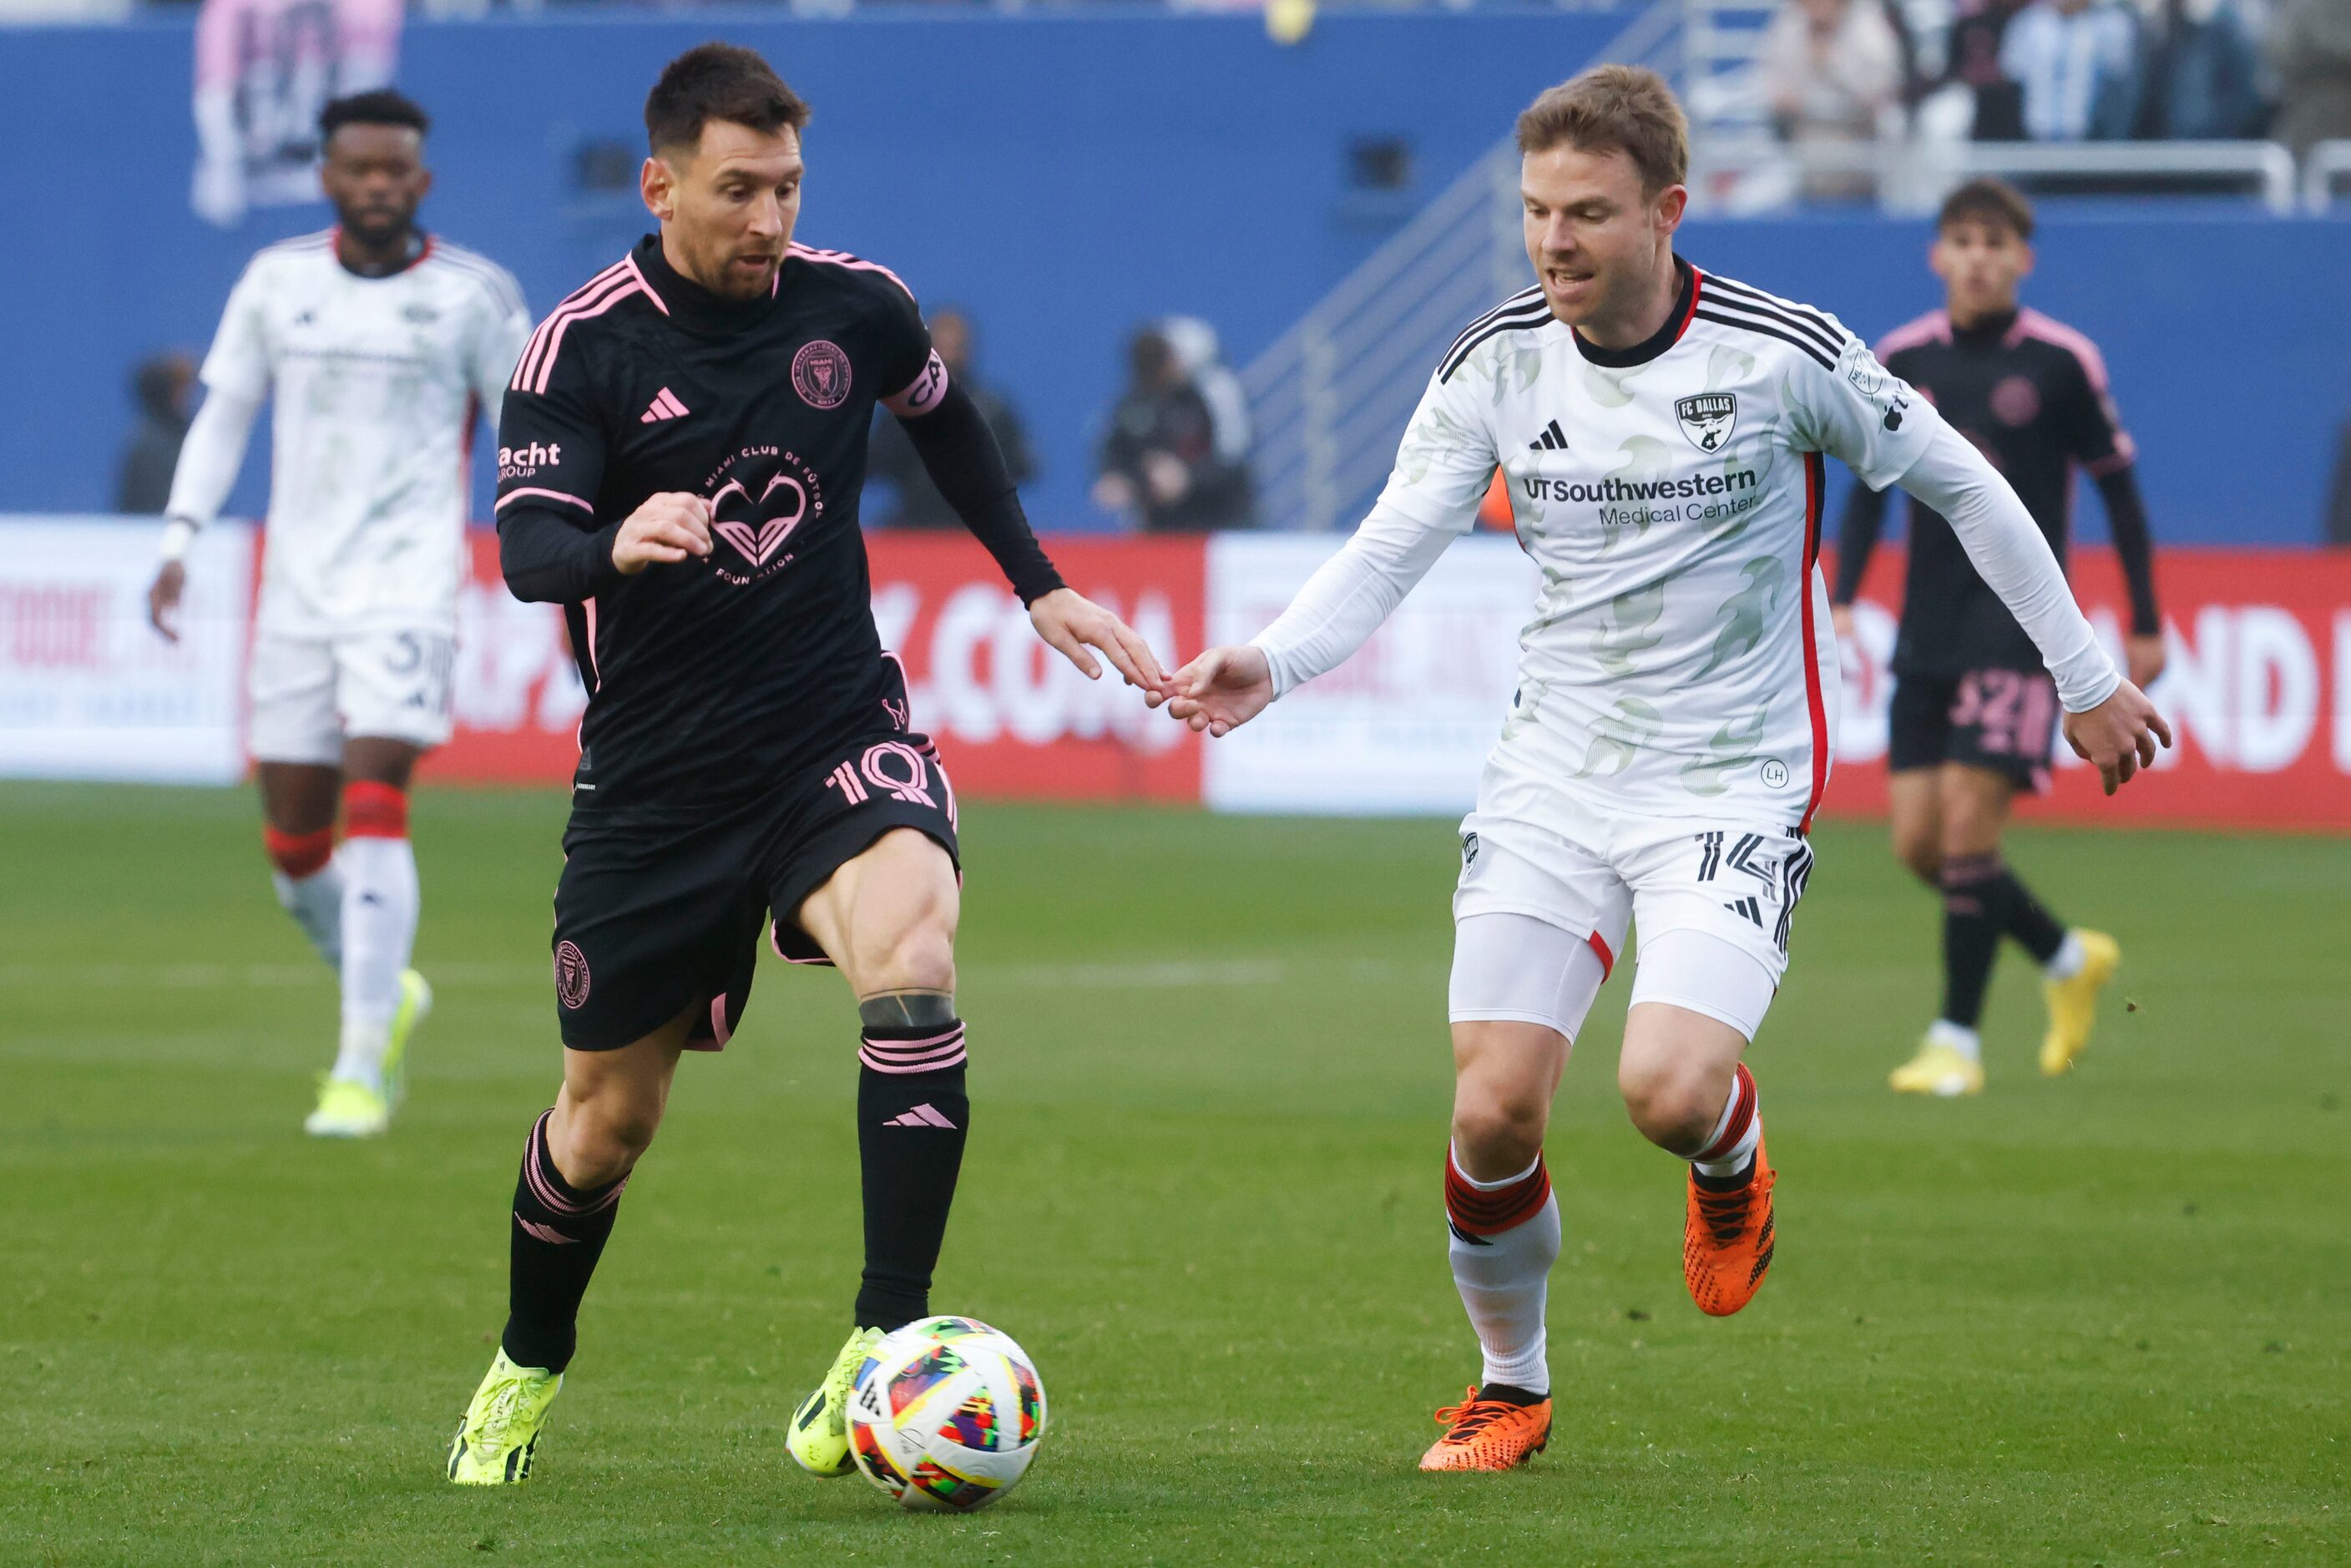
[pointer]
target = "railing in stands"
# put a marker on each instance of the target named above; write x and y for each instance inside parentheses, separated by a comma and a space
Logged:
(1330, 397)
(2322, 167)
(1755, 173)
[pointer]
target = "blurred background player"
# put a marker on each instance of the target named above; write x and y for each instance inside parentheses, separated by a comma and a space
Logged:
(682, 453)
(379, 346)
(893, 459)
(1973, 713)
(1670, 737)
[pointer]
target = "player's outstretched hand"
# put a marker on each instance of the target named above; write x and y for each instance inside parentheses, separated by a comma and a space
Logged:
(1072, 623)
(669, 526)
(1221, 688)
(2118, 735)
(164, 598)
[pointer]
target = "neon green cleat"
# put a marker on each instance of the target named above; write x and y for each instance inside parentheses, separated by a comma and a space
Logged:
(500, 1432)
(2073, 1003)
(415, 1006)
(819, 1440)
(348, 1109)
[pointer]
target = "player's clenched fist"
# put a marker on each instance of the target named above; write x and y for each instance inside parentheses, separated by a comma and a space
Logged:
(670, 526)
(2118, 735)
(1221, 688)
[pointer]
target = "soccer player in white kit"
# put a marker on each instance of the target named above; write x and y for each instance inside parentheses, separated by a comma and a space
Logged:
(1662, 431)
(380, 346)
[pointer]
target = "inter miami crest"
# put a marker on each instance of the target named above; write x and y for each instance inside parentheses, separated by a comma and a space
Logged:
(1707, 418)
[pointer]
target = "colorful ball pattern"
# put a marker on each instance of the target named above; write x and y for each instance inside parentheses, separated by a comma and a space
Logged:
(946, 1414)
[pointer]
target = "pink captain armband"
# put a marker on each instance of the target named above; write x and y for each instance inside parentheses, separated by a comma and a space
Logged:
(923, 392)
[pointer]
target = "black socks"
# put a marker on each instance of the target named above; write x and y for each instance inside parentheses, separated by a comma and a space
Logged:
(911, 1118)
(560, 1231)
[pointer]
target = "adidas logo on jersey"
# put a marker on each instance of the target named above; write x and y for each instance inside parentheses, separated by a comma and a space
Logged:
(665, 406)
(1552, 439)
(923, 1115)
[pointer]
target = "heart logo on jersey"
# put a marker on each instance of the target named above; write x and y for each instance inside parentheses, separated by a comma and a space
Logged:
(757, 540)
(1708, 419)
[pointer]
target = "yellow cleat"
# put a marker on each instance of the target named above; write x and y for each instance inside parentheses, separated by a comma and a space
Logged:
(348, 1109)
(500, 1432)
(1940, 1069)
(2073, 1002)
(819, 1440)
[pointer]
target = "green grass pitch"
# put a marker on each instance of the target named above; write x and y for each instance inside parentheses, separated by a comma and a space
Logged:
(2100, 1319)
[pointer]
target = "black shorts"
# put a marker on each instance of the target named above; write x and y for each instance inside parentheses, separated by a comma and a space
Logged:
(1999, 720)
(652, 920)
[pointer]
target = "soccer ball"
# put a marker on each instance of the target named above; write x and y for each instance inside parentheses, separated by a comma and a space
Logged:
(946, 1414)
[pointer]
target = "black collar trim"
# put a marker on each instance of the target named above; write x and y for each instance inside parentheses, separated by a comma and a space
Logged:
(1658, 342)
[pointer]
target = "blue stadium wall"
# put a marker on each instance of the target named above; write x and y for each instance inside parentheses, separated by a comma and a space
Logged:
(1065, 177)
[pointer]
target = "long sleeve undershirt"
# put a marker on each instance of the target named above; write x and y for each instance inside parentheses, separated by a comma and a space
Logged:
(1864, 518)
(1354, 592)
(209, 457)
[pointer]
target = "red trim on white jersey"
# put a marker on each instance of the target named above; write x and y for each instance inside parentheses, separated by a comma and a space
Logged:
(1814, 706)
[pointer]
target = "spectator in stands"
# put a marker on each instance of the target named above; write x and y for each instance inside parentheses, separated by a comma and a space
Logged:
(1973, 60)
(2203, 73)
(162, 387)
(893, 458)
(1830, 70)
(2077, 62)
(2310, 48)
(1159, 462)
(1196, 346)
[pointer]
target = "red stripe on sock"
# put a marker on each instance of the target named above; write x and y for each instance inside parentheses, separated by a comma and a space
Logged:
(1743, 1116)
(372, 809)
(298, 855)
(1490, 1211)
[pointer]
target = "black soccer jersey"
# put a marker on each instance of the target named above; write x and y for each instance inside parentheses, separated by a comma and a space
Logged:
(2031, 394)
(710, 678)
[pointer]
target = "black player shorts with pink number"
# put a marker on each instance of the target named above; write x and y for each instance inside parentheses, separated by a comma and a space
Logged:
(650, 920)
(2003, 720)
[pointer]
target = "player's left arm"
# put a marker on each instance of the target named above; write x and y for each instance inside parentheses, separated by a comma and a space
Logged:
(2094, 438)
(1889, 435)
(959, 452)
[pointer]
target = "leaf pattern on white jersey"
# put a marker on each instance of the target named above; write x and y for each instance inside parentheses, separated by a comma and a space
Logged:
(1646, 460)
(1618, 737)
(1628, 627)
(1734, 746)
(1606, 387)
(1746, 613)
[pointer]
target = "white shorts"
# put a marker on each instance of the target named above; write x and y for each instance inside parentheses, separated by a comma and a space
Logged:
(310, 694)
(1714, 904)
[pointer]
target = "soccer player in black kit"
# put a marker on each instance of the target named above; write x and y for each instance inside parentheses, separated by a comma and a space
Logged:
(681, 456)
(1973, 709)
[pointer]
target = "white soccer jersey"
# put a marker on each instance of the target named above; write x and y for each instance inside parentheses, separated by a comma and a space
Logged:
(1679, 661)
(376, 382)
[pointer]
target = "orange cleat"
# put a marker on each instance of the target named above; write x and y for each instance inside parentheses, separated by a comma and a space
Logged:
(1727, 1241)
(1488, 1435)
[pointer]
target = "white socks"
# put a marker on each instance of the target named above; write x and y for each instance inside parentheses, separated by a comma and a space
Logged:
(1505, 1239)
(1959, 1037)
(315, 903)
(379, 932)
(2068, 960)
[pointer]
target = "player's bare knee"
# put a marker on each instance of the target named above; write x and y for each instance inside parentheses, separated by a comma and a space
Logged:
(602, 1139)
(1921, 851)
(917, 959)
(1673, 1101)
(1499, 1117)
